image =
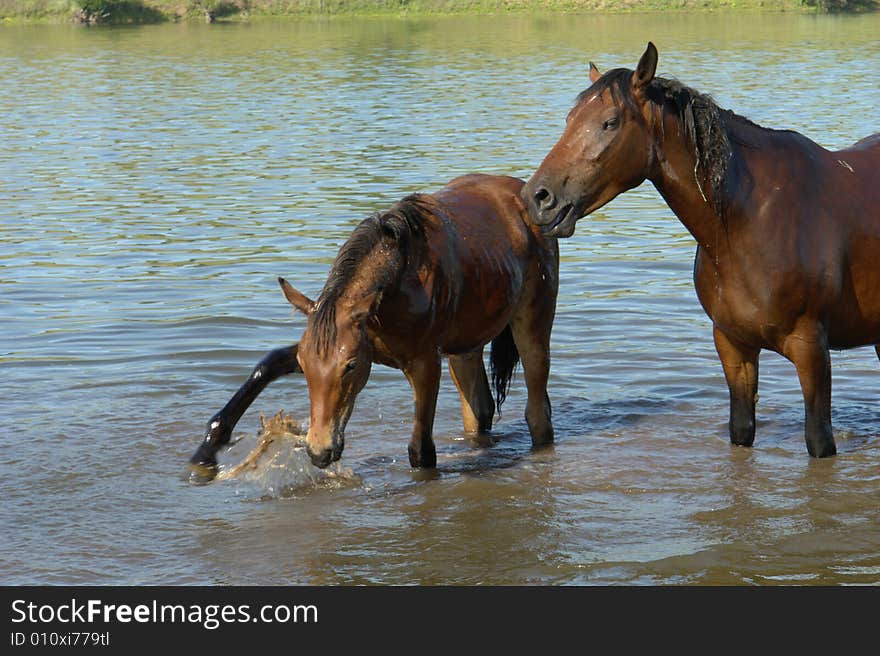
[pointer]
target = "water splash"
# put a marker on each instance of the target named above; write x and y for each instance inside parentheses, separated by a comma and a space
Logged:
(279, 465)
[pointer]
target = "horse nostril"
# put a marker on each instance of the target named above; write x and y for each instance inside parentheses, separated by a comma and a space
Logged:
(322, 458)
(544, 199)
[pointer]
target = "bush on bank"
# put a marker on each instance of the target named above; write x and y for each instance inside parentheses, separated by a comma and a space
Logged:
(95, 12)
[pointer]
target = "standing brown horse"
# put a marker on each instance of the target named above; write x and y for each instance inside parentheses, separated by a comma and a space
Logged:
(788, 233)
(442, 273)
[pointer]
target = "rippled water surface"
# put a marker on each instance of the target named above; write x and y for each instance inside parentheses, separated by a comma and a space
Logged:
(153, 183)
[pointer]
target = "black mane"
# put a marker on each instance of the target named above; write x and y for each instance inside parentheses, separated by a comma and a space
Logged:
(706, 127)
(403, 225)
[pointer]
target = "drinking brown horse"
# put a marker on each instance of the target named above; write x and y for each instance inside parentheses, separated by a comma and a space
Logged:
(788, 233)
(443, 273)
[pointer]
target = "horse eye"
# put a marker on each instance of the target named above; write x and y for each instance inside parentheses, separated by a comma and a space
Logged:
(350, 365)
(611, 123)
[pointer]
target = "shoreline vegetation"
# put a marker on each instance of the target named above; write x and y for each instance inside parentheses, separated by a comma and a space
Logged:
(110, 12)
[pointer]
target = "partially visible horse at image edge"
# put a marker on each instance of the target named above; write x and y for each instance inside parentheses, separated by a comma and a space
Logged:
(788, 233)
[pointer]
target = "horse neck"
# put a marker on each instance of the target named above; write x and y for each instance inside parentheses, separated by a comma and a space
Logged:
(674, 176)
(377, 271)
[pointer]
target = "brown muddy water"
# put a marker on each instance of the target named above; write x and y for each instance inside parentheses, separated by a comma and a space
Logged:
(154, 181)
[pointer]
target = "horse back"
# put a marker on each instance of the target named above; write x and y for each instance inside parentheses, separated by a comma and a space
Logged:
(860, 164)
(871, 143)
(488, 228)
(483, 256)
(853, 190)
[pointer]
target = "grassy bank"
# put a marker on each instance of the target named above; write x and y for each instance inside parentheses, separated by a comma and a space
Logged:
(152, 11)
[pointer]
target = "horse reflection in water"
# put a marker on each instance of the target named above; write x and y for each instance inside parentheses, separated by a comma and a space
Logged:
(788, 233)
(437, 274)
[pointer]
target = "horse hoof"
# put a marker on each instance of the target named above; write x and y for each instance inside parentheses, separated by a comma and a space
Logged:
(543, 439)
(202, 473)
(825, 451)
(543, 447)
(424, 460)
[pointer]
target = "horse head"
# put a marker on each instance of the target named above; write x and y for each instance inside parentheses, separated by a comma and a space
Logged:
(605, 149)
(336, 357)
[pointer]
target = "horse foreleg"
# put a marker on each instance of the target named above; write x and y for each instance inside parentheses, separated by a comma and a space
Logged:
(218, 432)
(532, 338)
(477, 406)
(740, 363)
(808, 350)
(424, 377)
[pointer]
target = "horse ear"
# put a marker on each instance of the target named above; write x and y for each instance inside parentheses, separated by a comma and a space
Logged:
(594, 73)
(366, 307)
(646, 68)
(297, 299)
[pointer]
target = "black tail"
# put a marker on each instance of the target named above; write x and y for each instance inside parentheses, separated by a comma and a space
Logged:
(503, 357)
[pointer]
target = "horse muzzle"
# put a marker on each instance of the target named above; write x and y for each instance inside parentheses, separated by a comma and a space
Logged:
(324, 457)
(562, 223)
(554, 214)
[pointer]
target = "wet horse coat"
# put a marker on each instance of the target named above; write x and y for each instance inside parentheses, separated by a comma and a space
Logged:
(439, 274)
(788, 233)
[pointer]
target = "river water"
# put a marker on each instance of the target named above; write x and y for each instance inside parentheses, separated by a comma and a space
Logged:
(155, 180)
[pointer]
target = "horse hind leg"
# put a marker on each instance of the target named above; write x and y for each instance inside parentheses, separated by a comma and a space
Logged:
(477, 407)
(218, 431)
